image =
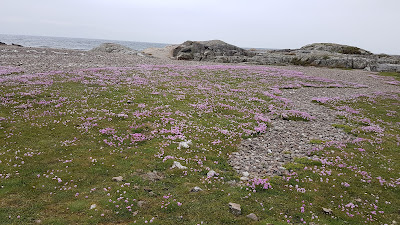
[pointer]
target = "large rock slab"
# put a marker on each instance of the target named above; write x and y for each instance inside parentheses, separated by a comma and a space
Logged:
(207, 51)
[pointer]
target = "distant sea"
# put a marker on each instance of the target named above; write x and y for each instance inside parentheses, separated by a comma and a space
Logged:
(71, 43)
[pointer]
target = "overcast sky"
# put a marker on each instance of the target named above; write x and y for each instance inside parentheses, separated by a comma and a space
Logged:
(369, 24)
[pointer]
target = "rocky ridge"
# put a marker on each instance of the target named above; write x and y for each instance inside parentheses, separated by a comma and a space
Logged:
(318, 54)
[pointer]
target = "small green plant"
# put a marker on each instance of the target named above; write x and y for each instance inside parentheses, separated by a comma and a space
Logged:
(316, 141)
(346, 128)
(350, 50)
(391, 74)
(325, 57)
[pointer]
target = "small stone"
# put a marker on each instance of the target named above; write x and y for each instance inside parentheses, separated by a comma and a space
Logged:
(178, 165)
(118, 179)
(196, 189)
(232, 183)
(38, 221)
(153, 176)
(152, 194)
(184, 144)
(140, 204)
(93, 206)
(211, 173)
(252, 216)
(327, 211)
(246, 174)
(147, 189)
(135, 213)
(244, 178)
(122, 115)
(235, 209)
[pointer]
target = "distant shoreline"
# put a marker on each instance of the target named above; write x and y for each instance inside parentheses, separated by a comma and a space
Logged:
(83, 44)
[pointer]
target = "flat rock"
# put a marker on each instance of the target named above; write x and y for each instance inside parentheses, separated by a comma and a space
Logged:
(118, 179)
(252, 216)
(235, 208)
(196, 189)
(140, 204)
(211, 173)
(178, 165)
(153, 176)
(327, 211)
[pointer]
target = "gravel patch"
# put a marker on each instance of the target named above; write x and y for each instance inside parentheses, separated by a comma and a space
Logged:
(286, 140)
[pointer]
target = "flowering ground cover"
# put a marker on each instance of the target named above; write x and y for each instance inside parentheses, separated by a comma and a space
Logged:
(65, 135)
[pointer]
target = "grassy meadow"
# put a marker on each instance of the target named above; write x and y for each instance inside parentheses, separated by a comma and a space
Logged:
(65, 135)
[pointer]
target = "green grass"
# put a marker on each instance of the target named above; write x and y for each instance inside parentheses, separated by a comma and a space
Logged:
(390, 74)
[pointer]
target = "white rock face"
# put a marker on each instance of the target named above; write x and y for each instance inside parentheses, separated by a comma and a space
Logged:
(178, 165)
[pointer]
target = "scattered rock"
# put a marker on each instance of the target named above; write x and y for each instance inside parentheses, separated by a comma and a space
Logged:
(232, 183)
(93, 206)
(178, 165)
(118, 179)
(122, 115)
(153, 176)
(196, 189)
(140, 204)
(244, 178)
(327, 211)
(252, 216)
(147, 189)
(38, 221)
(245, 174)
(211, 173)
(184, 144)
(235, 209)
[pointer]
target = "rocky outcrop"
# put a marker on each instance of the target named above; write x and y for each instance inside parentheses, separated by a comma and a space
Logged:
(214, 50)
(318, 54)
(336, 48)
(115, 48)
(2, 43)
